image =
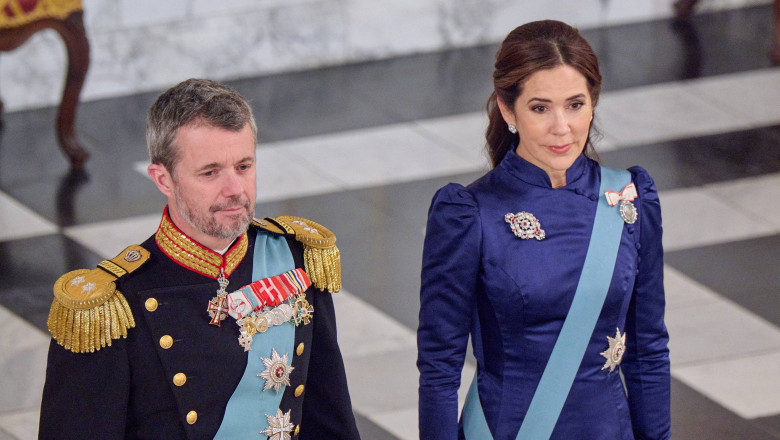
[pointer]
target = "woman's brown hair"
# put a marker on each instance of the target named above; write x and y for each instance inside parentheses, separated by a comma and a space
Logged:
(527, 49)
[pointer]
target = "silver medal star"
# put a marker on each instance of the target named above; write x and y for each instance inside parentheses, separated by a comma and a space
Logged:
(277, 371)
(279, 426)
(614, 354)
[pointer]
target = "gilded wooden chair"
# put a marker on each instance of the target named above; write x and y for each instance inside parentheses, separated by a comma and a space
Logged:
(19, 20)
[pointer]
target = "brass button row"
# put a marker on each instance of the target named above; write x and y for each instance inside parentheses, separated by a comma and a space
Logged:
(300, 388)
(166, 342)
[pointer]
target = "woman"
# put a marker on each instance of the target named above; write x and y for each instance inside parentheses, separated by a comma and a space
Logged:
(559, 285)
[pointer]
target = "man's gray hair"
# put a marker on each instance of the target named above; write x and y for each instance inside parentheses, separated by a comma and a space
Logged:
(199, 101)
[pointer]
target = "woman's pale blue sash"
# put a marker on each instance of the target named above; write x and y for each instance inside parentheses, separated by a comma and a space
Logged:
(569, 349)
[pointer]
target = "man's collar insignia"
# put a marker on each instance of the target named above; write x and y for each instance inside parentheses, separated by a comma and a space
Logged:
(194, 256)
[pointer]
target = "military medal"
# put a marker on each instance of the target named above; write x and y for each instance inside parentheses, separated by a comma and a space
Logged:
(626, 209)
(614, 354)
(304, 310)
(279, 426)
(259, 322)
(218, 306)
(277, 371)
(524, 225)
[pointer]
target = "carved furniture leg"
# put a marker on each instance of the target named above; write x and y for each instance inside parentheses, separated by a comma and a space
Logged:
(74, 35)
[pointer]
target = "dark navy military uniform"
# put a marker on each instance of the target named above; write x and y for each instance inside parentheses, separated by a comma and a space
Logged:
(173, 374)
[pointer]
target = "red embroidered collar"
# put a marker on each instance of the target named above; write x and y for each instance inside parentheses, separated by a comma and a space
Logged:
(194, 256)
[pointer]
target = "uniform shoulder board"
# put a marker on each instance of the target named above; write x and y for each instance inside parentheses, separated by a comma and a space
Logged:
(269, 225)
(320, 254)
(87, 312)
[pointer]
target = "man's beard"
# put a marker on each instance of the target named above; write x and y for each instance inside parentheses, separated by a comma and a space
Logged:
(208, 225)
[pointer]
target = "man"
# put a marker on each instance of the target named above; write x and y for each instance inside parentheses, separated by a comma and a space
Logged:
(217, 326)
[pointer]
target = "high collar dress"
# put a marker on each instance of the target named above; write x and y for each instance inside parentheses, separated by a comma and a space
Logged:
(512, 295)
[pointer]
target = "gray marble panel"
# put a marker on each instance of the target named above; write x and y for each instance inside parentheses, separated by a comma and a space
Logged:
(143, 45)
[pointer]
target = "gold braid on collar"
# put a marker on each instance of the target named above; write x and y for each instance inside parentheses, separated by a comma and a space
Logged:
(321, 256)
(195, 257)
(87, 312)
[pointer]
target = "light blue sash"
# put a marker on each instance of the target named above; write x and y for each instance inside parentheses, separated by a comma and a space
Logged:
(566, 357)
(247, 407)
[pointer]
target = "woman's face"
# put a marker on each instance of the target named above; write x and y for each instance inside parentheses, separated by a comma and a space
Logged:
(552, 117)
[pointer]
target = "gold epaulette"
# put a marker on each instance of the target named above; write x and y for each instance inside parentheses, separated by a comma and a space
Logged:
(320, 254)
(88, 312)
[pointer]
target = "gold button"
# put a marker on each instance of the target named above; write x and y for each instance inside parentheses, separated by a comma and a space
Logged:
(151, 304)
(179, 379)
(297, 430)
(299, 350)
(192, 417)
(299, 391)
(166, 342)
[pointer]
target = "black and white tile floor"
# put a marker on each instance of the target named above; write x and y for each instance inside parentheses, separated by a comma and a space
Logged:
(362, 148)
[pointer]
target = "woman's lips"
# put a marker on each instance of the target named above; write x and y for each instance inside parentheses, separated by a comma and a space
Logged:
(559, 149)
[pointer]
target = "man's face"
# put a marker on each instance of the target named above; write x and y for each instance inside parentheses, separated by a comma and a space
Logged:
(213, 188)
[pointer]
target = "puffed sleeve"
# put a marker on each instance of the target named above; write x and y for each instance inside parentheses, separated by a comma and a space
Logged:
(450, 268)
(646, 362)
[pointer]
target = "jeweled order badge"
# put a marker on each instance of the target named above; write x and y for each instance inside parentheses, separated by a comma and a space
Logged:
(525, 225)
(627, 209)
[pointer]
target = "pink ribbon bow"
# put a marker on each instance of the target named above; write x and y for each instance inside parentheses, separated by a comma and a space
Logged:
(628, 193)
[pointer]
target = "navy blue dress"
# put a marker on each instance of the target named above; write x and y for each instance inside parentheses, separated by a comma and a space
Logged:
(512, 295)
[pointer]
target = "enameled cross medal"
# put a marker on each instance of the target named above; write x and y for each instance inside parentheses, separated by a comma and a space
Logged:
(218, 307)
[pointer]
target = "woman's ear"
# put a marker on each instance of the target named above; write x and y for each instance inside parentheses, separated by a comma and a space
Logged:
(506, 112)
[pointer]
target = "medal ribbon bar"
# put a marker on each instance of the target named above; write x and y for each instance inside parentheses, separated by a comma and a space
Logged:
(268, 292)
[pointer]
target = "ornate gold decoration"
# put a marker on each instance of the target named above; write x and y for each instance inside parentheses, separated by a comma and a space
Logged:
(190, 254)
(87, 312)
(13, 15)
(268, 226)
(321, 256)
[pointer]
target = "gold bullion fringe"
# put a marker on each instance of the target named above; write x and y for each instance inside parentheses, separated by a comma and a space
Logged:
(323, 265)
(82, 331)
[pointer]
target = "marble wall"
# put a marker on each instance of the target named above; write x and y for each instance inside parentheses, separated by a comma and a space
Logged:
(142, 45)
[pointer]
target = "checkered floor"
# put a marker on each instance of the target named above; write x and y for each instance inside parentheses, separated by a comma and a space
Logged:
(362, 148)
